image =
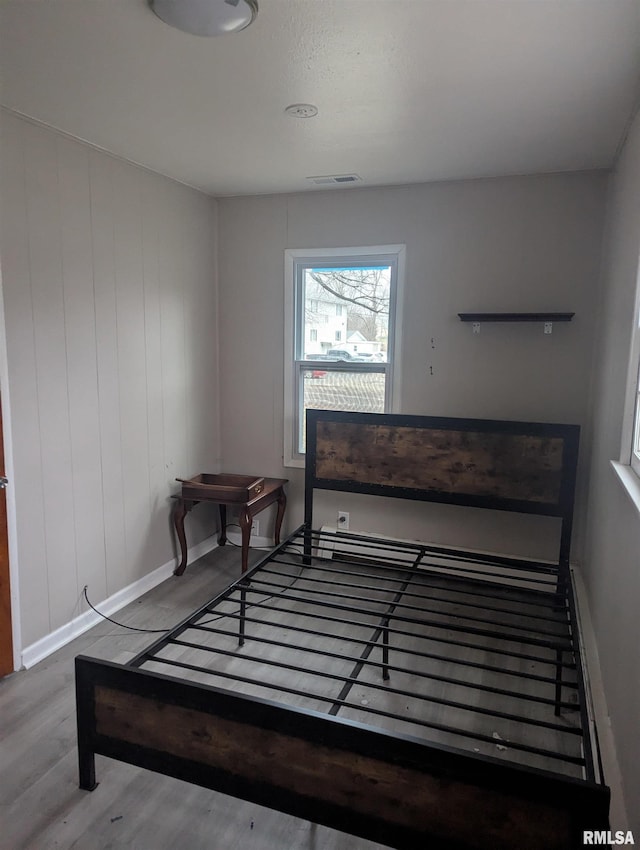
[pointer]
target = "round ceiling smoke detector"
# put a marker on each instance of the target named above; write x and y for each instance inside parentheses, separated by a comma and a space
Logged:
(206, 17)
(301, 110)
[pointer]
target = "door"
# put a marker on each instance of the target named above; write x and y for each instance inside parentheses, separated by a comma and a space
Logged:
(6, 642)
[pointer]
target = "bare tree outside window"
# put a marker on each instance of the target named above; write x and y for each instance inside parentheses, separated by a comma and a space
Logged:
(364, 292)
(362, 296)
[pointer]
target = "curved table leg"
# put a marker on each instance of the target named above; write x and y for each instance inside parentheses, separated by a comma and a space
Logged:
(282, 504)
(182, 509)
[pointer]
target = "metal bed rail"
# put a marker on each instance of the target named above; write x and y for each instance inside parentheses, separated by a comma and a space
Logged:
(394, 601)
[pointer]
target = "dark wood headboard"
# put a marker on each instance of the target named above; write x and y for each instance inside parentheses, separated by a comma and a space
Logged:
(528, 467)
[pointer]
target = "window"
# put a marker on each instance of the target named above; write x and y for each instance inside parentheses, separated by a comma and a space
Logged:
(341, 334)
(628, 467)
(630, 453)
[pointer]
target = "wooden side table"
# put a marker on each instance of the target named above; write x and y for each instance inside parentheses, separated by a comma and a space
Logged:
(272, 491)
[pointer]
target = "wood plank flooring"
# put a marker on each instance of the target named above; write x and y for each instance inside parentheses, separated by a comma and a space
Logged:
(41, 807)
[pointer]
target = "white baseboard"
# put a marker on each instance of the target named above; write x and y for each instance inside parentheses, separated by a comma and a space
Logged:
(255, 542)
(50, 643)
(595, 687)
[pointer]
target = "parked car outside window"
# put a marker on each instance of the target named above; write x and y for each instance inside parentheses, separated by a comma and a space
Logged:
(341, 354)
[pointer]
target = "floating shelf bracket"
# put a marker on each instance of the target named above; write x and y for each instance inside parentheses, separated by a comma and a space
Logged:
(547, 319)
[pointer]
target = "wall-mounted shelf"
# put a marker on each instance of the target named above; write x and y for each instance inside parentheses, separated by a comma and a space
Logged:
(547, 319)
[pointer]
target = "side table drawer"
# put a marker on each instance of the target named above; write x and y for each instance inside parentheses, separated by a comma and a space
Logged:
(222, 487)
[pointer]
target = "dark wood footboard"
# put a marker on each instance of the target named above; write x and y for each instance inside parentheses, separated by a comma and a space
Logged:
(389, 788)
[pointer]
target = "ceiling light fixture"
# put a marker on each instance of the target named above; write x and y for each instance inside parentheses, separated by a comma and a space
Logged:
(301, 110)
(206, 17)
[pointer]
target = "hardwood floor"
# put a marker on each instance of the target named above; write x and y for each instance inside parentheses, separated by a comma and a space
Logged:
(41, 807)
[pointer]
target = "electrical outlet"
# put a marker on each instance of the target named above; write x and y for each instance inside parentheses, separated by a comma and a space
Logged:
(255, 528)
(343, 520)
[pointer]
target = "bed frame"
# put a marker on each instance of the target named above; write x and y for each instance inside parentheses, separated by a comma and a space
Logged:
(501, 631)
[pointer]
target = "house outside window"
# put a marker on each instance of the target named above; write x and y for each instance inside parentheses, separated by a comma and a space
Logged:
(342, 321)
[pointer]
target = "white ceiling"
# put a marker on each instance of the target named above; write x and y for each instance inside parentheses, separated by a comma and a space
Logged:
(407, 90)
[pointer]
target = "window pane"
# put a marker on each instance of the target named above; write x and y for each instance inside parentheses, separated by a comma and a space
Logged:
(349, 306)
(326, 390)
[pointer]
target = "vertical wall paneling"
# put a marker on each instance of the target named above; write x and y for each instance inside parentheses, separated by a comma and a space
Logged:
(103, 240)
(200, 320)
(21, 365)
(153, 363)
(172, 331)
(132, 373)
(45, 253)
(109, 288)
(190, 303)
(82, 374)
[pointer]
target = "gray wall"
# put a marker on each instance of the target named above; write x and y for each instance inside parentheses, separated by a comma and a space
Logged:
(612, 562)
(110, 309)
(517, 244)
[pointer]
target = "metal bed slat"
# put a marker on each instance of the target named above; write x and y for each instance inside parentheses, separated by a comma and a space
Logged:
(372, 644)
(467, 630)
(405, 651)
(418, 596)
(461, 555)
(452, 730)
(432, 638)
(467, 568)
(423, 577)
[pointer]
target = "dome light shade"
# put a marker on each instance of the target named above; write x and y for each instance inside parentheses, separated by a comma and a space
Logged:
(206, 17)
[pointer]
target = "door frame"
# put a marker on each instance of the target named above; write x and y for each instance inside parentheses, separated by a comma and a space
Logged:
(14, 585)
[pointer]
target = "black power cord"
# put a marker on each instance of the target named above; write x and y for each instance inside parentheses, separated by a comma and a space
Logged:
(206, 622)
(116, 623)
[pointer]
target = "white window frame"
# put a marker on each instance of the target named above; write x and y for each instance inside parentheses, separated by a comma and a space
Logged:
(630, 452)
(635, 441)
(296, 259)
(628, 467)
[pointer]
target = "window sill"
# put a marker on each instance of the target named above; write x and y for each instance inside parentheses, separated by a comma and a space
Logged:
(629, 481)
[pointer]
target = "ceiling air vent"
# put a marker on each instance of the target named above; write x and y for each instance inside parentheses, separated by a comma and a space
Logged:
(335, 178)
